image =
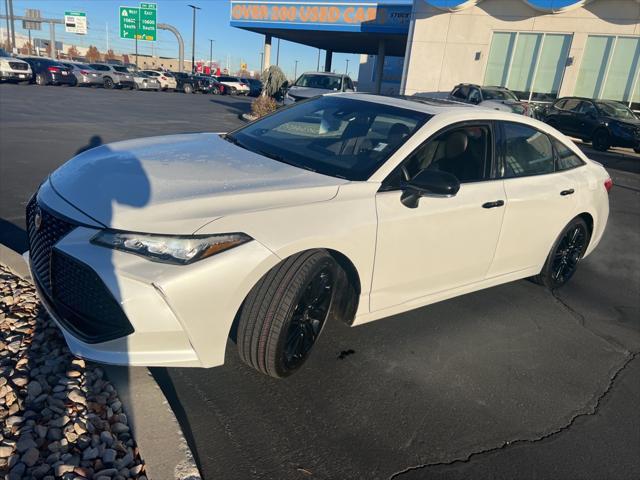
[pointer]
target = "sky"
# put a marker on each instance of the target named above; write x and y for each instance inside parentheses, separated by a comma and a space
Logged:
(212, 22)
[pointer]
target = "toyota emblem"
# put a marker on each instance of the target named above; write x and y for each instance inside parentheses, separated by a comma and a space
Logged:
(37, 220)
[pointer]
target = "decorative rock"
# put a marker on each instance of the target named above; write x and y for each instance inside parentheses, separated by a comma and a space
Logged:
(90, 453)
(60, 470)
(119, 428)
(77, 397)
(107, 472)
(30, 457)
(109, 456)
(17, 472)
(34, 389)
(59, 422)
(5, 451)
(41, 431)
(25, 443)
(41, 470)
(107, 438)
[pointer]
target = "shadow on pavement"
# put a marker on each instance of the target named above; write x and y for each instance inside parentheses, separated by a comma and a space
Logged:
(238, 105)
(13, 236)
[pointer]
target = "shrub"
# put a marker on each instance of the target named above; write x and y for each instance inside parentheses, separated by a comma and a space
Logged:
(262, 106)
(273, 81)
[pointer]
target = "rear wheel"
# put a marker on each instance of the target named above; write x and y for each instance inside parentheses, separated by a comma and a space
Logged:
(215, 91)
(284, 313)
(601, 141)
(188, 88)
(41, 79)
(108, 83)
(565, 255)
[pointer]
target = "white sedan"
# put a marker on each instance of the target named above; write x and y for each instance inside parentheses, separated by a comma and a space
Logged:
(346, 207)
(167, 81)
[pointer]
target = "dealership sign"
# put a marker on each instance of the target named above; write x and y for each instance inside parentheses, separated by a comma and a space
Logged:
(75, 22)
(321, 15)
(543, 5)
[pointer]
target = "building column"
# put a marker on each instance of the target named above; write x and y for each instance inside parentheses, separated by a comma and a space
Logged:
(379, 67)
(327, 61)
(267, 52)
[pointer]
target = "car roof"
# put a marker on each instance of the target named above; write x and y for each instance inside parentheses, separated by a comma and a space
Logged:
(432, 106)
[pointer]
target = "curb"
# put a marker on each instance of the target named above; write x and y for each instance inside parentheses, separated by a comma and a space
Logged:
(156, 430)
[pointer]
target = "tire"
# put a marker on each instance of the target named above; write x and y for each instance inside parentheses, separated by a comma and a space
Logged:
(565, 255)
(637, 150)
(41, 79)
(601, 141)
(275, 331)
(136, 86)
(74, 83)
(215, 91)
(188, 88)
(108, 83)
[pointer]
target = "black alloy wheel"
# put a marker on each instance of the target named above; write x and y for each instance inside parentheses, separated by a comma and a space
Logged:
(308, 318)
(215, 91)
(108, 83)
(565, 255)
(601, 141)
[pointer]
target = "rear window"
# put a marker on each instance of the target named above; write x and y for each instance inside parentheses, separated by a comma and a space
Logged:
(496, 94)
(121, 69)
(325, 82)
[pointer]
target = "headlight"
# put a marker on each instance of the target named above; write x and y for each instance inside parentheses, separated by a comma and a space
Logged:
(179, 250)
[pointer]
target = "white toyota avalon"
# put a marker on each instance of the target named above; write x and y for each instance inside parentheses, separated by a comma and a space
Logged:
(347, 207)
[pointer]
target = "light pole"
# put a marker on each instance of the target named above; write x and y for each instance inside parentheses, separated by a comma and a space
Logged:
(261, 62)
(318, 67)
(193, 39)
(211, 54)
(278, 54)
(295, 71)
(346, 70)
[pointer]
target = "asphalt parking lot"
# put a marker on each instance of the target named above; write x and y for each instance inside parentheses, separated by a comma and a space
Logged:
(510, 382)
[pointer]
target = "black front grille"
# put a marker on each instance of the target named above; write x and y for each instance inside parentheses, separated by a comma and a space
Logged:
(42, 238)
(18, 66)
(83, 301)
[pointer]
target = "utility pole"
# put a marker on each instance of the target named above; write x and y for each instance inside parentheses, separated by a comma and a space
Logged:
(261, 62)
(211, 54)
(295, 71)
(6, 7)
(318, 67)
(106, 29)
(278, 54)
(13, 26)
(193, 39)
(346, 70)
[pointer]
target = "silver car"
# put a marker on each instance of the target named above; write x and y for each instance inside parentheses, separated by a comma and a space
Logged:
(85, 75)
(312, 84)
(145, 82)
(115, 76)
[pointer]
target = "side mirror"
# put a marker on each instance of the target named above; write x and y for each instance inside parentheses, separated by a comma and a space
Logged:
(429, 183)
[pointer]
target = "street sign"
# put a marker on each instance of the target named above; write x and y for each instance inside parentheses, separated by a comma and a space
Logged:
(138, 22)
(28, 25)
(75, 22)
(147, 22)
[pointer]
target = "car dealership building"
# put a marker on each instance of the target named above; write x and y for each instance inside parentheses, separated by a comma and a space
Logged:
(541, 49)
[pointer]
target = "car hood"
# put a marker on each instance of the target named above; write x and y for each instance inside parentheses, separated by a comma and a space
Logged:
(175, 184)
(306, 92)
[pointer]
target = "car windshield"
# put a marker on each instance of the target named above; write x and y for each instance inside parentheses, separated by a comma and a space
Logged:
(498, 94)
(335, 136)
(616, 110)
(325, 82)
(121, 69)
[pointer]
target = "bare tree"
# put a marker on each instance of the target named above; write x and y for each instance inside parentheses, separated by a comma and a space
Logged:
(72, 52)
(93, 55)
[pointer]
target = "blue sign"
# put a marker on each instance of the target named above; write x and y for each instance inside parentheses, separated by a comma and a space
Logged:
(343, 16)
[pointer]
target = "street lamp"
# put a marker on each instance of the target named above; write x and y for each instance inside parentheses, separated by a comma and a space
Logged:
(211, 54)
(193, 39)
(295, 71)
(346, 70)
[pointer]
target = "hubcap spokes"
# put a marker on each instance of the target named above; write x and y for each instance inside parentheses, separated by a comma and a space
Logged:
(308, 317)
(568, 254)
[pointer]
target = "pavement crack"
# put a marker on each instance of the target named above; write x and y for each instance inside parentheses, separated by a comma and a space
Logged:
(589, 412)
(583, 323)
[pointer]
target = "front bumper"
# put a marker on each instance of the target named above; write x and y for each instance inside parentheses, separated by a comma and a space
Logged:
(125, 83)
(60, 79)
(180, 315)
(90, 80)
(15, 76)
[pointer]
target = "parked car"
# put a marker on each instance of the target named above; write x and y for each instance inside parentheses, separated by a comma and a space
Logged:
(13, 69)
(47, 71)
(207, 84)
(605, 123)
(311, 84)
(166, 79)
(114, 75)
(233, 85)
(255, 86)
(84, 74)
(185, 82)
(345, 208)
(497, 98)
(145, 82)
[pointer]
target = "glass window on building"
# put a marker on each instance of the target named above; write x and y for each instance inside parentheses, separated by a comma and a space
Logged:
(610, 70)
(530, 64)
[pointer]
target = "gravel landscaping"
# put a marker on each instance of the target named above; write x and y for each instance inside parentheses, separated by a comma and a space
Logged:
(59, 416)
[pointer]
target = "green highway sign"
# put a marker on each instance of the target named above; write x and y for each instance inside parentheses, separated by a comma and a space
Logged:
(138, 22)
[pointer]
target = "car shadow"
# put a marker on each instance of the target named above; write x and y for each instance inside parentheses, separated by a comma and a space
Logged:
(13, 236)
(94, 141)
(238, 106)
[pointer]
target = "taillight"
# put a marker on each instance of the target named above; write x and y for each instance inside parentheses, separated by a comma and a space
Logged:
(84, 72)
(163, 77)
(608, 184)
(53, 69)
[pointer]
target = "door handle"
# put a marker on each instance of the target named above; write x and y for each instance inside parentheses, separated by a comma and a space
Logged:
(564, 193)
(497, 203)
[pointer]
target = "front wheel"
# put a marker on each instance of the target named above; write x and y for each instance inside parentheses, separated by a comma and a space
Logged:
(215, 91)
(284, 313)
(108, 83)
(188, 88)
(41, 79)
(565, 255)
(601, 140)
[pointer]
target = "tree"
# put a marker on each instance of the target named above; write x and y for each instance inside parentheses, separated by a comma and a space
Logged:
(273, 81)
(72, 52)
(93, 55)
(109, 55)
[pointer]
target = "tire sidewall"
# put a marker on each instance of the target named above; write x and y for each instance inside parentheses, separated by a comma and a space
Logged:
(301, 283)
(546, 276)
(601, 146)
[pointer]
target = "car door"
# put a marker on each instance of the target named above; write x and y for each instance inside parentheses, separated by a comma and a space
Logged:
(567, 119)
(586, 119)
(445, 242)
(541, 199)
